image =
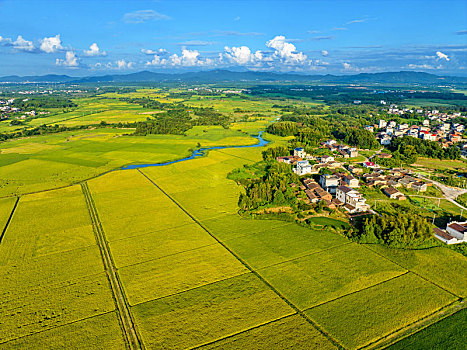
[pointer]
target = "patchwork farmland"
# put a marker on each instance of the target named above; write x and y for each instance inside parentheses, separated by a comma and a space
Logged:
(93, 256)
(185, 271)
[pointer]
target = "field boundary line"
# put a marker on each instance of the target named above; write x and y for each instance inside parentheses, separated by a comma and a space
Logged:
(243, 331)
(139, 234)
(305, 255)
(58, 326)
(166, 256)
(291, 305)
(193, 288)
(208, 245)
(415, 273)
(357, 291)
(231, 155)
(123, 309)
(416, 326)
(7, 224)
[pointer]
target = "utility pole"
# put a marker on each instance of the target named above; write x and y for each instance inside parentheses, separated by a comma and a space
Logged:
(460, 216)
(433, 222)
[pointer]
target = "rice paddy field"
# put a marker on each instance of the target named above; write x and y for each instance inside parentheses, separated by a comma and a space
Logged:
(190, 271)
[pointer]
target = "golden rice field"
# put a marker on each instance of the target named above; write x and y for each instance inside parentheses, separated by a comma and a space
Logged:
(193, 273)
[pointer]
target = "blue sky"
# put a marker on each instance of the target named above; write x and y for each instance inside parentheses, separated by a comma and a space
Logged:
(314, 37)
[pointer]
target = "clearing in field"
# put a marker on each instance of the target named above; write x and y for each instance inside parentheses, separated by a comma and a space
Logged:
(361, 318)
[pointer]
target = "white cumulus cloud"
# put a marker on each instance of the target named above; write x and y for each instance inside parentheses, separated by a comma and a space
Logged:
(157, 61)
(70, 60)
(242, 55)
(52, 44)
(324, 53)
(22, 44)
(442, 56)
(188, 58)
(286, 51)
(153, 52)
(347, 66)
(94, 50)
(122, 64)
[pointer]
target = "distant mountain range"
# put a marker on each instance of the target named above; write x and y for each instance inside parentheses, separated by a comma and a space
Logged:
(216, 76)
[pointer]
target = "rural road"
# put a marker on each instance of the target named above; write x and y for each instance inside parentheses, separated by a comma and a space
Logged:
(123, 308)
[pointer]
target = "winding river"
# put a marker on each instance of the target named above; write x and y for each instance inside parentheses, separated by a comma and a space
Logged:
(199, 153)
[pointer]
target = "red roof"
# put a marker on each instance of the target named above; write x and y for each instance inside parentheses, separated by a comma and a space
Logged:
(459, 228)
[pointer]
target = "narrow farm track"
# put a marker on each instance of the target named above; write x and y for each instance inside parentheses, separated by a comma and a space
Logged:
(132, 338)
(244, 263)
(9, 219)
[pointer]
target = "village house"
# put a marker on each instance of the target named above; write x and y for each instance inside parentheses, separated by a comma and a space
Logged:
(329, 182)
(370, 165)
(299, 152)
(326, 159)
(352, 199)
(419, 186)
(392, 193)
(352, 152)
(351, 181)
(303, 168)
(288, 159)
(456, 232)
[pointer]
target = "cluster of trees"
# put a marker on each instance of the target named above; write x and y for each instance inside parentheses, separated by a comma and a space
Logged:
(283, 128)
(207, 116)
(310, 130)
(333, 95)
(147, 102)
(394, 230)
(274, 152)
(409, 148)
(174, 121)
(55, 128)
(41, 102)
(269, 189)
(357, 137)
(178, 120)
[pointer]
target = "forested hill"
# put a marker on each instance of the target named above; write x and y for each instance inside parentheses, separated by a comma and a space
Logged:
(213, 76)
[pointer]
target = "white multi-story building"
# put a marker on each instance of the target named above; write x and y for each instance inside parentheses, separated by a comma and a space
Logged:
(303, 168)
(353, 200)
(299, 152)
(382, 123)
(329, 182)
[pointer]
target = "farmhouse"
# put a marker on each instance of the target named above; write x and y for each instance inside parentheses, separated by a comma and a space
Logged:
(303, 168)
(456, 232)
(392, 193)
(351, 181)
(288, 159)
(329, 182)
(354, 202)
(299, 152)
